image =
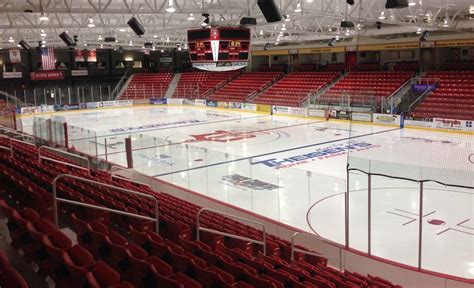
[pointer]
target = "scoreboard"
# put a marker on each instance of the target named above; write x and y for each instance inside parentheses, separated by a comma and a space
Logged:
(219, 48)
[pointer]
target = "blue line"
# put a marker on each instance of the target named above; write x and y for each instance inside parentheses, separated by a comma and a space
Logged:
(276, 152)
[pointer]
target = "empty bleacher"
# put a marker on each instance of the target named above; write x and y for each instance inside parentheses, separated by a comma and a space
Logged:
(118, 251)
(453, 98)
(146, 86)
(365, 88)
(244, 86)
(295, 88)
(196, 84)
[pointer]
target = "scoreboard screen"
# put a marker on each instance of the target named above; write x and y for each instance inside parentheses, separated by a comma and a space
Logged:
(219, 48)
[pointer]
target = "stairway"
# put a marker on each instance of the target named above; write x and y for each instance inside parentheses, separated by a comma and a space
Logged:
(173, 84)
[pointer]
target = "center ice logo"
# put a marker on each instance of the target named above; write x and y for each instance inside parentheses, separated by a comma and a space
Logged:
(322, 153)
(225, 136)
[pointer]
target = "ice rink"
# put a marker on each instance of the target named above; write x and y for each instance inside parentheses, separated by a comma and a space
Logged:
(293, 170)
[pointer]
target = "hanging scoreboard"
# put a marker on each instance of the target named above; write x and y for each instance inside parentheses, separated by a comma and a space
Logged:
(219, 48)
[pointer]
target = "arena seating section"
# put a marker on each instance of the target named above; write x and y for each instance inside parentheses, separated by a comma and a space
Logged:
(365, 88)
(146, 86)
(9, 276)
(453, 98)
(295, 87)
(117, 251)
(196, 84)
(245, 85)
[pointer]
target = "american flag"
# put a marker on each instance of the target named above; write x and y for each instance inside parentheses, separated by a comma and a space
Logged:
(48, 59)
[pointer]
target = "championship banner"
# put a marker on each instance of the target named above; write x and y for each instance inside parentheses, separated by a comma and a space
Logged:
(92, 55)
(15, 56)
(47, 75)
(79, 55)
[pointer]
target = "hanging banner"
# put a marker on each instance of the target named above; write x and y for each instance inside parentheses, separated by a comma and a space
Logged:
(79, 72)
(9, 75)
(47, 75)
(92, 55)
(15, 56)
(79, 55)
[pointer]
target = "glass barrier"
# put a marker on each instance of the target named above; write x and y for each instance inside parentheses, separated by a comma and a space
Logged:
(410, 214)
(83, 140)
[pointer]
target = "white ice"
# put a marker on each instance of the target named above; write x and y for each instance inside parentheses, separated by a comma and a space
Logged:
(198, 148)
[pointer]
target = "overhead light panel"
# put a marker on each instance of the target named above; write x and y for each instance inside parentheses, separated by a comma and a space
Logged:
(191, 17)
(287, 18)
(11, 39)
(43, 33)
(411, 3)
(100, 38)
(122, 29)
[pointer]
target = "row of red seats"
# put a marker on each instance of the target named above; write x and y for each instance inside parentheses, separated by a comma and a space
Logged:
(177, 220)
(9, 276)
(247, 83)
(146, 86)
(294, 88)
(195, 84)
(55, 255)
(453, 98)
(365, 87)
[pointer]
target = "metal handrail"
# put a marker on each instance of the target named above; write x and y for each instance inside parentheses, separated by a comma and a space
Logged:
(65, 153)
(56, 200)
(294, 249)
(423, 94)
(199, 228)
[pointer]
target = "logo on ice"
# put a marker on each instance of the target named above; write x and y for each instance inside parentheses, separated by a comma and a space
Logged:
(322, 153)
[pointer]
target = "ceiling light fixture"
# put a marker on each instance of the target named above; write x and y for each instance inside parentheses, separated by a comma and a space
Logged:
(191, 17)
(43, 17)
(91, 23)
(382, 15)
(122, 30)
(298, 7)
(170, 8)
(100, 38)
(11, 39)
(287, 18)
(418, 31)
(42, 34)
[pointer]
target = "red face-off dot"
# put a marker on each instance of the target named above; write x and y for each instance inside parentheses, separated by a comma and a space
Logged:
(436, 222)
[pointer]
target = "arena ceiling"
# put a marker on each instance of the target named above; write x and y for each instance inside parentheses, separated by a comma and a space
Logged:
(93, 20)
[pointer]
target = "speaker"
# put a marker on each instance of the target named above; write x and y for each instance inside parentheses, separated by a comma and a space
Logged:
(24, 45)
(378, 25)
(347, 24)
(148, 44)
(424, 36)
(136, 26)
(395, 4)
(109, 39)
(248, 21)
(66, 39)
(269, 10)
